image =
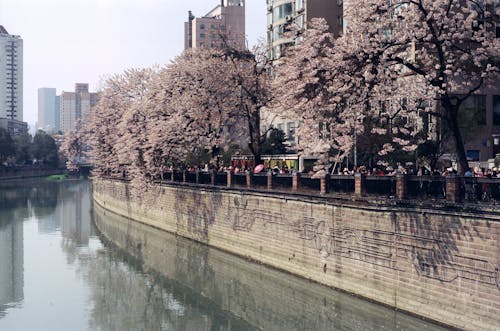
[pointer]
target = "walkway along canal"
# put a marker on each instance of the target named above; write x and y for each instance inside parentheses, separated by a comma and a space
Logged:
(59, 272)
(439, 261)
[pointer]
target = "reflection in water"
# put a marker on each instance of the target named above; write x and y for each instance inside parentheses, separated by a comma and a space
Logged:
(229, 290)
(11, 262)
(22, 200)
(76, 280)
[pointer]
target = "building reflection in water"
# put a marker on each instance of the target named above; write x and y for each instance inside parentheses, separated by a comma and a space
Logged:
(11, 270)
(12, 212)
(71, 215)
(133, 277)
(58, 207)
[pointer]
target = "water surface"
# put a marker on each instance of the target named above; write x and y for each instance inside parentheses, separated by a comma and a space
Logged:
(59, 272)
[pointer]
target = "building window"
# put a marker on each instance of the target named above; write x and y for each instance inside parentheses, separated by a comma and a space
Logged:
(282, 11)
(299, 4)
(290, 131)
(496, 110)
(300, 21)
(473, 155)
(202, 26)
(473, 111)
(277, 51)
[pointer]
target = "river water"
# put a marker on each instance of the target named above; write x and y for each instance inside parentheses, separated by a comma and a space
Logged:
(59, 272)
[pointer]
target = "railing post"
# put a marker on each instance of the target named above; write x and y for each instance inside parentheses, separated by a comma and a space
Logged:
(401, 186)
(183, 176)
(229, 178)
(359, 185)
(212, 177)
(452, 188)
(295, 181)
(197, 174)
(172, 175)
(269, 180)
(249, 179)
(324, 182)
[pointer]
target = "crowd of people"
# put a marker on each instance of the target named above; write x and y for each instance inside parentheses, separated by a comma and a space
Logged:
(351, 171)
(421, 171)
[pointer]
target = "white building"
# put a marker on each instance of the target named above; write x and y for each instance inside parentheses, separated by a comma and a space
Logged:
(11, 76)
(48, 110)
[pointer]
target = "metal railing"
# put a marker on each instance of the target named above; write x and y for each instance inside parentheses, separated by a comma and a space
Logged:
(380, 185)
(426, 187)
(479, 189)
(462, 189)
(342, 184)
(309, 184)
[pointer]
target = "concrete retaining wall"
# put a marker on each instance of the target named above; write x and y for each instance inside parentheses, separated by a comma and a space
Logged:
(440, 264)
(236, 294)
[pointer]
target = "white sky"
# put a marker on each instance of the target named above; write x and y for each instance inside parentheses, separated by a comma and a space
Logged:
(85, 41)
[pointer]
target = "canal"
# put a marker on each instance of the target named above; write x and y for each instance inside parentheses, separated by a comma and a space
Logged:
(63, 266)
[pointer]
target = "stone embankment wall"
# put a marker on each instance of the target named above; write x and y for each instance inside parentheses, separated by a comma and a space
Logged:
(235, 293)
(437, 263)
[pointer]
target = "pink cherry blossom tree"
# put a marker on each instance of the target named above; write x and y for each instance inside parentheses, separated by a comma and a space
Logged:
(74, 146)
(251, 73)
(103, 135)
(204, 96)
(398, 60)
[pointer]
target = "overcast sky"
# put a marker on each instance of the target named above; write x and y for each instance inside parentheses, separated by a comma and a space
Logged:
(69, 41)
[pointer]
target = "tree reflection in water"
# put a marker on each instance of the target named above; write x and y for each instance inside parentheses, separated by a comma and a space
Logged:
(137, 278)
(193, 287)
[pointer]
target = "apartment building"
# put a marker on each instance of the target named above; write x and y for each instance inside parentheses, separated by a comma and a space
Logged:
(282, 13)
(75, 106)
(11, 76)
(224, 25)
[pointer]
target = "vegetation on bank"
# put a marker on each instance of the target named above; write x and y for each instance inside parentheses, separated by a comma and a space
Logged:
(57, 177)
(377, 92)
(25, 150)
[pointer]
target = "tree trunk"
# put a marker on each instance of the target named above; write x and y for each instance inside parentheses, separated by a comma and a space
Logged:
(452, 119)
(255, 144)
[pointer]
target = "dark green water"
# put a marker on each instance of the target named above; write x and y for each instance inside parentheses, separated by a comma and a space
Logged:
(58, 272)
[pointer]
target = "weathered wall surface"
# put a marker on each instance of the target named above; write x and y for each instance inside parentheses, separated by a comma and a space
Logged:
(256, 297)
(443, 265)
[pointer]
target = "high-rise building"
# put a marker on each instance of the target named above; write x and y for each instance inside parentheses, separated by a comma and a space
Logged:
(75, 106)
(282, 13)
(222, 26)
(11, 76)
(48, 110)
